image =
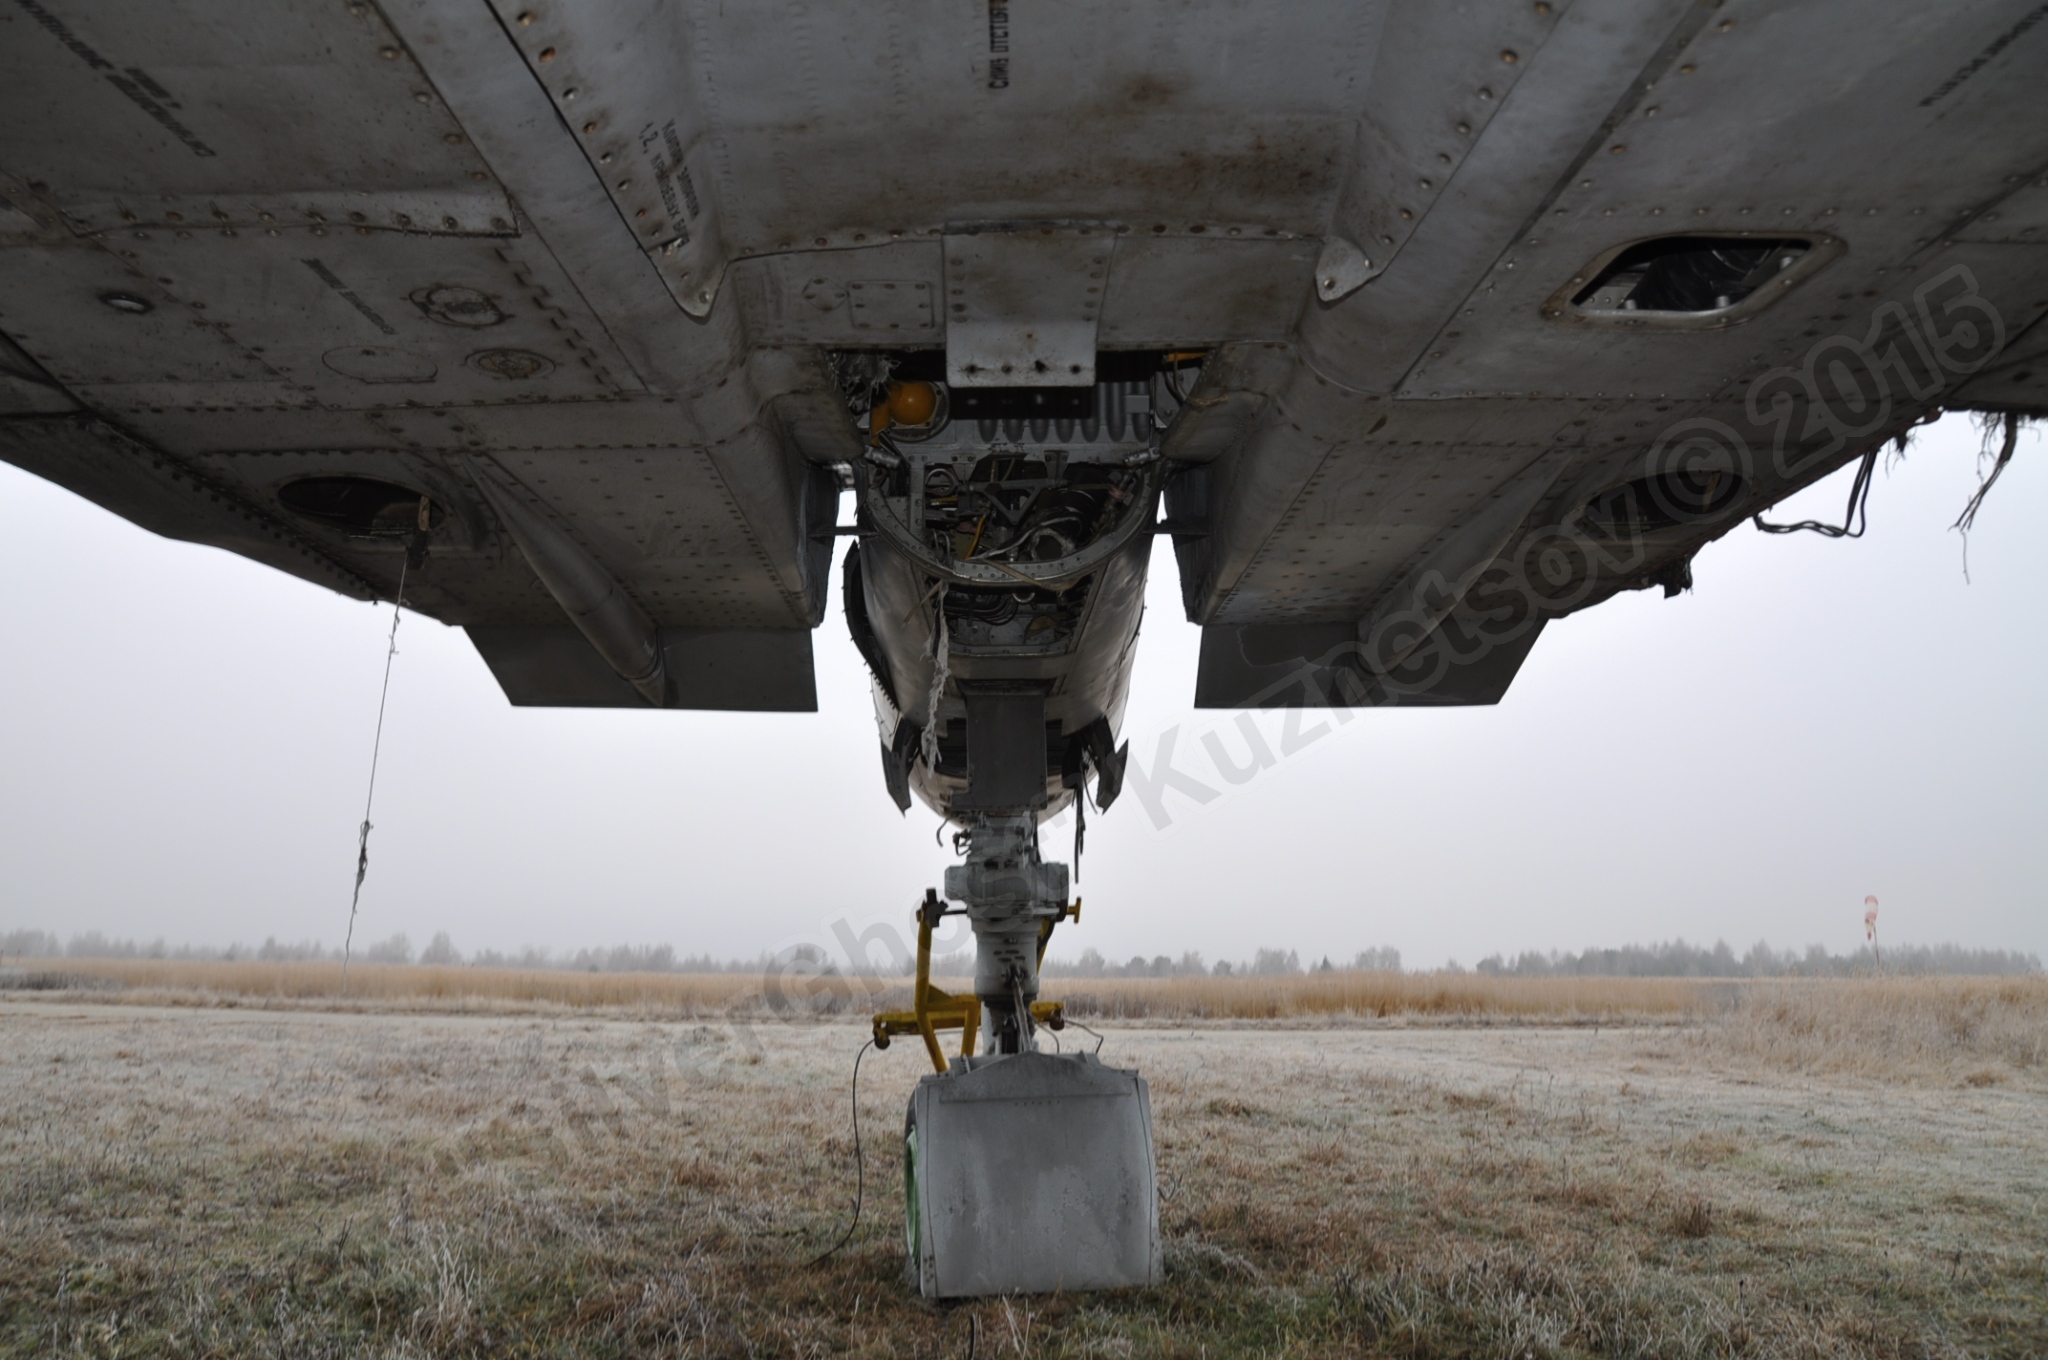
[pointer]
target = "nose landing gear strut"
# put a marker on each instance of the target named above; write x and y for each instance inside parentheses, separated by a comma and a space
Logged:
(1023, 1172)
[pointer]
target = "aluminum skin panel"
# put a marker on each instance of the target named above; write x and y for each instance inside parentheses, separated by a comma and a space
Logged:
(744, 671)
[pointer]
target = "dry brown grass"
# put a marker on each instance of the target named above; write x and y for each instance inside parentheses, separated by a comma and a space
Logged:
(1300, 997)
(162, 980)
(1311, 996)
(1981, 1031)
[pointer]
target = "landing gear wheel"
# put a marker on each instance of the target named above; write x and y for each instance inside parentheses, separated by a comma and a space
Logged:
(1029, 1173)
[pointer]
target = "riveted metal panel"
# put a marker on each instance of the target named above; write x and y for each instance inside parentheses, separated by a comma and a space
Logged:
(1362, 514)
(661, 520)
(355, 319)
(2020, 216)
(1191, 291)
(758, 670)
(92, 319)
(842, 298)
(1799, 164)
(1442, 72)
(1022, 304)
(217, 113)
(625, 77)
(1316, 666)
(1591, 61)
(1507, 346)
(2017, 380)
(1223, 114)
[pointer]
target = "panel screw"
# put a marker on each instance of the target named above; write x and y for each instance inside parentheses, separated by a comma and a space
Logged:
(388, 53)
(1509, 57)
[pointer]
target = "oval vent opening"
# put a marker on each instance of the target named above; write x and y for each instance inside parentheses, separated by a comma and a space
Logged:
(360, 505)
(1689, 275)
(1667, 500)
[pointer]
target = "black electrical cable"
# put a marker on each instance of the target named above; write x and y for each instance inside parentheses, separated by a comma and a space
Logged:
(1859, 509)
(2010, 423)
(860, 1174)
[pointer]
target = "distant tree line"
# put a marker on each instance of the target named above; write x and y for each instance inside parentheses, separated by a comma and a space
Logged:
(1675, 958)
(440, 951)
(1263, 963)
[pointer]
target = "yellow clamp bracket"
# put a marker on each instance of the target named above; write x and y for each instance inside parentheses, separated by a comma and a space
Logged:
(1053, 1014)
(934, 1009)
(931, 1008)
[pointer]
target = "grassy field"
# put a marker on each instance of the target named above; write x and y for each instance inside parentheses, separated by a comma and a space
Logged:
(1829, 1169)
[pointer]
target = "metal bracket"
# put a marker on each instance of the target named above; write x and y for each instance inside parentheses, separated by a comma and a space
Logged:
(1342, 269)
(931, 1008)
(1022, 303)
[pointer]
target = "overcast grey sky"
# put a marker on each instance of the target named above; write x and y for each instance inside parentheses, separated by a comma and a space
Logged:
(185, 737)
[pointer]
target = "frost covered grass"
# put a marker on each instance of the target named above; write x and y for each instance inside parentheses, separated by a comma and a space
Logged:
(297, 1180)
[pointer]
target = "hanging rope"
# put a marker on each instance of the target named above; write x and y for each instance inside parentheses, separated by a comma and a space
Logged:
(377, 743)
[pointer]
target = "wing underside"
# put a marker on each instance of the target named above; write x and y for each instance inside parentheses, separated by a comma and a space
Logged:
(290, 278)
